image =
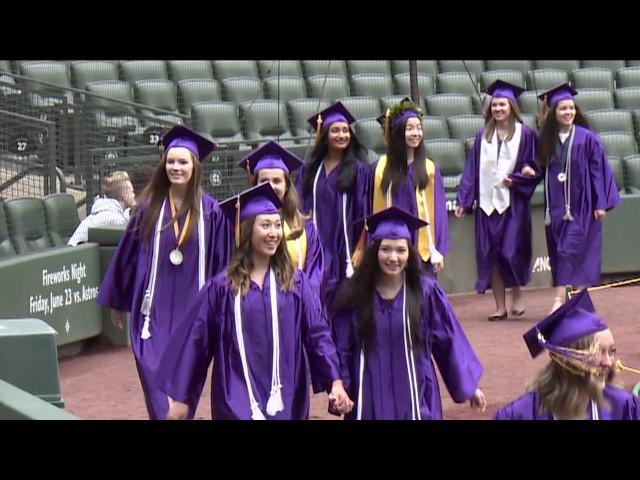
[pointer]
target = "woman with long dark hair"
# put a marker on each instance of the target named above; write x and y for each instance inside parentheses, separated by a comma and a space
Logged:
(334, 188)
(261, 323)
(390, 320)
(177, 238)
(579, 190)
(404, 177)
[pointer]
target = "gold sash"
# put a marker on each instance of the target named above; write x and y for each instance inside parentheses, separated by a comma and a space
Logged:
(293, 249)
(380, 203)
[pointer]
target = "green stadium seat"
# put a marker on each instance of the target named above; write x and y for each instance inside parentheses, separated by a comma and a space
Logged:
(568, 66)
(160, 94)
(449, 104)
(631, 169)
(612, 65)
(189, 69)
(27, 224)
(62, 217)
(313, 68)
(593, 78)
(426, 67)
(370, 134)
(512, 76)
(87, 71)
(242, 89)
(542, 79)
(302, 109)
(219, 120)
(458, 82)
(265, 119)
(235, 68)
(627, 98)
(529, 103)
(628, 77)
(275, 68)
(462, 127)
(610, 120)
(476, 67)
(356, 67)
(523, 66)
(133, 70)
(328, 87)
(362, 107)
(372, 84)
(46, 71)
(616, 167)
(434, 128)
(197, 90)
(285, 88)
(448, 154)
(6, 245)
(426, 84)
(619, 144)
(594, 99)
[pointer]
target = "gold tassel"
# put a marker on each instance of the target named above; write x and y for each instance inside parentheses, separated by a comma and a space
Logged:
(358, 252)
(619, 367)
(387, 126)
(318, 127)
(238, 222)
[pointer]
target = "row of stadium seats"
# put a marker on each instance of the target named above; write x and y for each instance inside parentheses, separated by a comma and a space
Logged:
(30, 224)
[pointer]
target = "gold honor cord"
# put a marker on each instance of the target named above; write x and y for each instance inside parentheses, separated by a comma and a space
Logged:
(619, 367)
(603, 287)
(175, 257)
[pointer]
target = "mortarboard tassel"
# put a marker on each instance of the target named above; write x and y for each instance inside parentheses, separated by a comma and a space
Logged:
(146, 334)
(318, 127)
(237, 222)
(567, 213)
(274, 404)
(547, 217)
(387, 125)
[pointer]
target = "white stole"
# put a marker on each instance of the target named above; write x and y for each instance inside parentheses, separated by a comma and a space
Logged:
(494, 195)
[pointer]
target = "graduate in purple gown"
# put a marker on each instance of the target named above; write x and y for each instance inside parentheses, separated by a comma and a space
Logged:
(578, 382)
(407, 179)
(274, 164)
(579, 190)
(177, 238)
(500, 177)
(334, 187)
(260, 323)
(391, 319)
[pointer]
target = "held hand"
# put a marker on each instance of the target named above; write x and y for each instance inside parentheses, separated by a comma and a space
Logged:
(507, 182)
(599, 214)
(459, 212)
(177, 410)
(478, 401)
(528, 171)
(338, 398)
(117, 318)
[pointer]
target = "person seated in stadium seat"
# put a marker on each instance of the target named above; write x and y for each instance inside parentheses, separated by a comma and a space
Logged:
(577, 384)
(110, 208)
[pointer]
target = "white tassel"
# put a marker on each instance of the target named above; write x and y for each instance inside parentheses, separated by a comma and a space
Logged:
(275, 405)
(349, 272)
(146, 334)
(567, 214)
(547, 217)
(436, 256)
(256, 413)
(145, 309)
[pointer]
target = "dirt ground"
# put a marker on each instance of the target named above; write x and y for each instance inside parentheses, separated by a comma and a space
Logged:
(102, 383)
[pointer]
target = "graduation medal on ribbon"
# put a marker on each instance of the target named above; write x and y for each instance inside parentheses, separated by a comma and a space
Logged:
(175, 257)
(562, 177)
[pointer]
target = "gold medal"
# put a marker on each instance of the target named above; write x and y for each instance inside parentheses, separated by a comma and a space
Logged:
(175, 257)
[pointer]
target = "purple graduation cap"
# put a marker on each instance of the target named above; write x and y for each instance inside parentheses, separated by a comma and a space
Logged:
(336, 112)
(270, 155)
(557, 93)
(257, 200)
(181, 136)
(392, 223)
(573, 320)
(503, 89)
(403, 110)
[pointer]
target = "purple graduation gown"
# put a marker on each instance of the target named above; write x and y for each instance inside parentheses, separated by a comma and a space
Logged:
(127, 277)
(329, 222)
(211, 334)
(386, 393)
(314, 258)
(405, 198)
(502, 238)
(575, 247)
(624, 406)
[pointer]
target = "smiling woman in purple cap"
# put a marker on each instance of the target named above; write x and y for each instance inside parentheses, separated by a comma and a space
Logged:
(334, 185)
(176, 239)
(579, 190)
(404, 177)
(500, 175)
(390, 320)
(577, 383)
(260, 322)
(274, 164)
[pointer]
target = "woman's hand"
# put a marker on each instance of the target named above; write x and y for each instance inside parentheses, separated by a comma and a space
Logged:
(478, 401)
(177, 410)
(338, 398)
(459, 212)
(117, 318)
(527, 171)
(599, 214)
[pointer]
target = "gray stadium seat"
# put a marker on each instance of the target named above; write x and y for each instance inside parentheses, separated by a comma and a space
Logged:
(134, 70)
(567, 66)
(197, 90)
(312, 68)
(62, 217)
(224, 69)
(514, 77)
(448, 154)
(474, 66)
(372, 84)
(242, 89)
(529, 103)
(619, 144)
(370, 134)
(631, 164)
(265, 120)
(188, 69)
(47, 71)
(458, 82)
(627, 98)
(618, 173)
(362, 107)
(594, 99)
(285, 87)
(356, 67)
(593, 78)
(427, 67)
(426, 84)
(610, 120)
(87, 71)
(448, 104)
(628, 77)
(523, 66)
(539, 80)
(300, 110)
(219, 120)
(161, 94)
(434, 128)
(328, 87)
(529, 120)
(275, 68)
(462, 127)
(27, 224)
(612, 65)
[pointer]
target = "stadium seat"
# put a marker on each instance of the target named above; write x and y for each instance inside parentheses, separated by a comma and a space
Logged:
(313, 68)
(134, 70)
(627, 98)
(47, 71)
(356, 67)
(628, 77)
(6, 246)
(426, 67)
(285, 87)
(86, 71)
(610, 120)
(362, 107)
(449, 104)
(529, 103)
(264, 120)
(197, 90)
(370, 134)
(618, 174)
(224, 69)
(529, 120)
(189, 69)
(448, 154)
(27, 224)
(219, 120)
(476, 67)
(388, 102)
(594, 99)
(372, 84)
(523, 66)
(328, 87)
(567, 66)
(458, 82)
(62, 217)
(593, 78)
(159, 94)
(276, 68)
(514, 77)
(539, 80)
(242, 89)
(462, 127)
(434, 128)
(426, 84)
(619, 144)
(631, 169)
(302, 109)
(113, 115)
(612, 65)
